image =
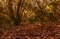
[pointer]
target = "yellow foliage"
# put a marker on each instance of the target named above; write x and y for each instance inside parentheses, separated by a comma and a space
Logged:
(47, 7)
(29, 13)
(5, 16)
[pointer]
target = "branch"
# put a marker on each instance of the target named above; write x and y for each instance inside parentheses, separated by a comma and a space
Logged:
(39, 6)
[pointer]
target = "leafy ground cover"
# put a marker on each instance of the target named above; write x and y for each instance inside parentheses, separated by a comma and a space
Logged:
(31, 31)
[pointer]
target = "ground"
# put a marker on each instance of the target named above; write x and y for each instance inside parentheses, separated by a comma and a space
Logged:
(31, 31)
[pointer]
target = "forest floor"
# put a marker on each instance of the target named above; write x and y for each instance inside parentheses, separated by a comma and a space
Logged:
(31, 31)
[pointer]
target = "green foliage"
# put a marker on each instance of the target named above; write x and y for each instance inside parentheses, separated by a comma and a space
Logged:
(31, 19)
(16, 20)
(5, 20)
(52, 17)
(8, 24)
